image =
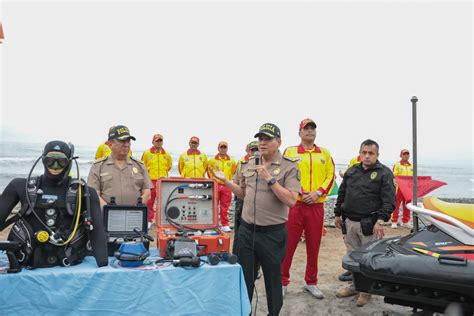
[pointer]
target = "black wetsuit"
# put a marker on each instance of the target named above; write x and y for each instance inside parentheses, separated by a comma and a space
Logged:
(52, 191)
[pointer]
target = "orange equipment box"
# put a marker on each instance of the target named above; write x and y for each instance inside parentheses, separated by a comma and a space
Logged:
(190, 205)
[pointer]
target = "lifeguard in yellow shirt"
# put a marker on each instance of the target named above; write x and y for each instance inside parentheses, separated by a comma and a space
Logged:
(193, 163)
(402, 168)
(227, 165)
(158, 163)
(317, 179)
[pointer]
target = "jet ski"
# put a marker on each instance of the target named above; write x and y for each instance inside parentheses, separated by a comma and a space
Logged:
(428, 269)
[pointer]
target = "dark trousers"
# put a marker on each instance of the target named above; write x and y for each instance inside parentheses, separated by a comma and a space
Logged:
(268, 251)
(239, 203)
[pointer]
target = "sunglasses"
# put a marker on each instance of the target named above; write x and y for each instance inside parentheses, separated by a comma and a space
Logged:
(223, 147)
(56, 161)
(253, 149)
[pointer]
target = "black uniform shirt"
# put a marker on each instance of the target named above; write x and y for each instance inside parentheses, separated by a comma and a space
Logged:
(366, 192)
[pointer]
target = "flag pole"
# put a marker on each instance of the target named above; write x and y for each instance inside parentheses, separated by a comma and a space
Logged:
(414, 100)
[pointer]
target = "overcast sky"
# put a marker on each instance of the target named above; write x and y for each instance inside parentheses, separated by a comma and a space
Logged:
(218, 70)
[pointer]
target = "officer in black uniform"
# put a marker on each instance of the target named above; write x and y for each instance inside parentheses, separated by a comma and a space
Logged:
(53, 226)
(365, 201)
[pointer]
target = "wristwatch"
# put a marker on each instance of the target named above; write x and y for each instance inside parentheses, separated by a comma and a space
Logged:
(272, 181)
(380, 222)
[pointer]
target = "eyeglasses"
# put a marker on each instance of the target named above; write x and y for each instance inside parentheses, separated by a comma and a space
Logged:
(195, 143)
(56, 161)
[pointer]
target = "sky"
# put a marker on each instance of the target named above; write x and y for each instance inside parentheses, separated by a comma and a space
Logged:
(220, 69)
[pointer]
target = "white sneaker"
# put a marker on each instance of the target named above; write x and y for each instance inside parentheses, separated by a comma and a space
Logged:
(394, 225)
(314, 290)
(407, 225)
(284, 288)
(226, 229)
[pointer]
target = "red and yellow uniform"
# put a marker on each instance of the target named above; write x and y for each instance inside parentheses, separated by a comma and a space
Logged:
(192, 164)
(158, 163)
(402, 168)
(317, 174)
(104, 151)
(316, 167)
(224, 195)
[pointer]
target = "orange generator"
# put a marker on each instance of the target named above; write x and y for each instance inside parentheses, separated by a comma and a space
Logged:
(188, 207)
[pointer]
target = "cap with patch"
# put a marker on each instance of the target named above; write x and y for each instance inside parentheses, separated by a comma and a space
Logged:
(194, 139)
(252, 145)
(222, 144)
(120, 132)
(270, 130)
(157, 137)
(306, 122)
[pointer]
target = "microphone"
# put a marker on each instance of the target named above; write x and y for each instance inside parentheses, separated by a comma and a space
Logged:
(257, 158)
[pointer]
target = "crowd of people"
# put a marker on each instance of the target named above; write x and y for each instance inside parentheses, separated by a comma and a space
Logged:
(280, 195)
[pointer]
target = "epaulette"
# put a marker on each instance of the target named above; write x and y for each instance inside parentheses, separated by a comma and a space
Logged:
(136, 160)
(290, 159)
(100, 159)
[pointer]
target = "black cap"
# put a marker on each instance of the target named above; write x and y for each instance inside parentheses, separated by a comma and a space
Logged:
(270, 130)
(120, 132)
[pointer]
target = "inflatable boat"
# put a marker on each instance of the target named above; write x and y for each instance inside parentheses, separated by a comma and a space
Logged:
(428, 269)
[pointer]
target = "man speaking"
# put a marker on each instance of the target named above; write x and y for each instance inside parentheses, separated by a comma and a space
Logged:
(269, 185)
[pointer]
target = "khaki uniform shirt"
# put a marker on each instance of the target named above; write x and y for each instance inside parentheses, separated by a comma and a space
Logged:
(269, 209)
(125, 184)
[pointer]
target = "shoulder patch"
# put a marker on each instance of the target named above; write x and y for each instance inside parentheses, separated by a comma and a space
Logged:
(136, 160)
(290, 159)
(100, 159)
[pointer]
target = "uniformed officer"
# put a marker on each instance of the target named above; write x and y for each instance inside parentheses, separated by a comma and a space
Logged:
(317, 179)
(223, 162)
(365, 201)
(158, 163)
(402, 168)
(268, 190)
(118, 175)
(192, 163)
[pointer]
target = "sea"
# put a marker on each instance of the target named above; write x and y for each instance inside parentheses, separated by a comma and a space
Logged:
(17, 159)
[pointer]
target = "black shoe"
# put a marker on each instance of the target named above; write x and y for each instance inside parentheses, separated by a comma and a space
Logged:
(346, 276)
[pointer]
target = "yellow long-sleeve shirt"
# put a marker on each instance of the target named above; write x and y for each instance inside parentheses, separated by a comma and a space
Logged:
(192, 164)
(225, 164)
(403, 168)
(316, 168)
(158, 163)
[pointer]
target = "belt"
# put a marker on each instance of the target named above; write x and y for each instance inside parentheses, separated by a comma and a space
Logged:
(262, 229)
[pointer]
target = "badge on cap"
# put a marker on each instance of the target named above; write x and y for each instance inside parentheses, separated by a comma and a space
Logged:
(373, 175)
(276, 171)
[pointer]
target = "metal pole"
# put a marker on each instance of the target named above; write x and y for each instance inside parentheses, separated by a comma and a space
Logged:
(414, 100)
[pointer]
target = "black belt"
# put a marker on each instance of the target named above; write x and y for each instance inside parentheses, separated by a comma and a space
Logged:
(262, 229)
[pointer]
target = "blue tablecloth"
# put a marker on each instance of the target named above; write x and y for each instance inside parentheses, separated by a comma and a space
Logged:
(87, 290)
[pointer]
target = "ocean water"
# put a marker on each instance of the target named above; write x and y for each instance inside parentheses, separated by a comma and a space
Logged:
(16, 160)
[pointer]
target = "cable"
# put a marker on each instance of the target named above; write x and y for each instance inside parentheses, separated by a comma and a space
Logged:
(253, 243)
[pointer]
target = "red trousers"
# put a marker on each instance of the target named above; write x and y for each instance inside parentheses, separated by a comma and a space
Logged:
(224, 196)
(310, 219)
(151, 202)
(406, 211)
